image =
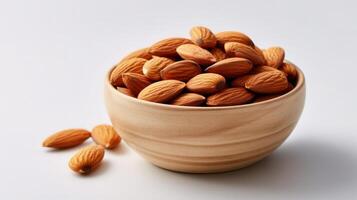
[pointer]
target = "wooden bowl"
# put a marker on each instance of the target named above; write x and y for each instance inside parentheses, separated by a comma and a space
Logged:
(205, 139)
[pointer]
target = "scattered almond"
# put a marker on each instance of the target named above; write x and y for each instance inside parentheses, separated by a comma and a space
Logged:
(134, 65)
(203, 37)
(189, 99)
(274, 56)
(233, 36)
(162, 91)
(152, 68)
(135, 82)
(231, 67)
(66, 138)
(269, 82)
(207, 83)
(106, 136)
(167, 47)
(87, 159)
(235, 49)
(182, 70)
(230, 97)
(196, 53)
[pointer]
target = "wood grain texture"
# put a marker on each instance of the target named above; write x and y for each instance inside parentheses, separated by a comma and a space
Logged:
(205, 139)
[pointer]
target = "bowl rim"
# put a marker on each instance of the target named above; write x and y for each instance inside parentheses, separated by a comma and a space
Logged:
(299, 86)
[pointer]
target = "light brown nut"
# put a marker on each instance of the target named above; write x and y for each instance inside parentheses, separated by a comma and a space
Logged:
(218, 53)
(231, 67)
(66, 138)
(274, 56)
(203, 37)
(264, 68)
(269, 82)
(290, 70)
(135, 82)
(230, 97)
(182, 70)
(140, 53)
(189, 99)
(240, 81)
(167, 47)
(87, 159)
(125, 91)
(152, 68)
(106, 136)
(196, 53)
(235, 49)
(233, 36)
(162, 91)
(207, 83)
(134, 65)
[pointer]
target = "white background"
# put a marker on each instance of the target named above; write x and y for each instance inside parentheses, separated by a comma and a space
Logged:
(53, 58)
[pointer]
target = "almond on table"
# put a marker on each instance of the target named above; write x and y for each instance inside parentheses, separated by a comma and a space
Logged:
(106, 136)
(87, 159)
(66, 138)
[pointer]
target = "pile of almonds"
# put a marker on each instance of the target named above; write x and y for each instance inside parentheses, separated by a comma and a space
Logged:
(88, 158)
(221, 69)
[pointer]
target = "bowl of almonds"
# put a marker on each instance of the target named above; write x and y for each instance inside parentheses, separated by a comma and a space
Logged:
(213, 102)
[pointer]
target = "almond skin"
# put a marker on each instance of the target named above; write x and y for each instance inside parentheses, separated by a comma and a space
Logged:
(125, 91)
(182, 70)
(269, 82)
(152, 68)
(290, 70)
(218, 53)
(207, 83)
(87, 159)
(231, 67)
(134, 65)
(230, 97)
(264, 68)
(203, 37)
(274, 56)
(233, 36)
(135, 82)
(106, 136)
(240, 81)
(196, 53)
(66, 138)
(140, 53)
(167, 47)
(188, 99)
(235, 49)
(162, 91)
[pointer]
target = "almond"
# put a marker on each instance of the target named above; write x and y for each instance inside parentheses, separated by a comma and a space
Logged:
(207, 83)
(196, 53)
(203, 37)
(182, 70)
(135, 82)
(230, 97)
(218, 53)
(87, 159)
(267, 82)
(274, 56)
(106, 136)
(167, 47)
(66, 138)
(264, 68)
(231, 67)
(189, 99)
(235, 49)
(162, 91)
(233, 36)
(240, 81)
(134, 65)
(140, 53)
(290, 70)
(125, 91)
(152, 68)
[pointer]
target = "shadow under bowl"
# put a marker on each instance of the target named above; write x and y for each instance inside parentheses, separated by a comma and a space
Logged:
(204, 139)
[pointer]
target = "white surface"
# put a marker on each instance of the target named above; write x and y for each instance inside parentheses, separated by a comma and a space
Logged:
(53, 57)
